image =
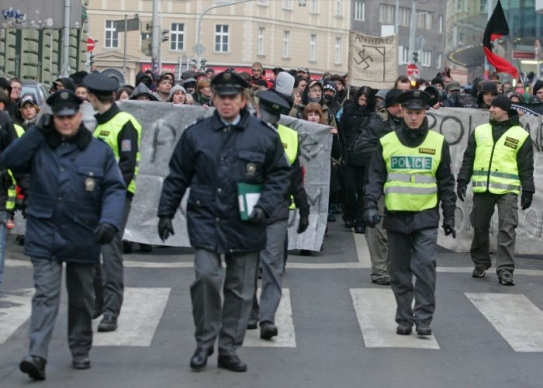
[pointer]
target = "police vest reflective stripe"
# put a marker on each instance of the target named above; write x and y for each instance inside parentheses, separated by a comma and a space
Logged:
(495, 168)
(411, 172)
(12, 190)
(109, 133)
(289, 138)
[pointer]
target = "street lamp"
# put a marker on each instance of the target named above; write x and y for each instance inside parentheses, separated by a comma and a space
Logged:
(199, 49)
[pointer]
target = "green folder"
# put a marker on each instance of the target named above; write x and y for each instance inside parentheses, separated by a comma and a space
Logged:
(248, 196)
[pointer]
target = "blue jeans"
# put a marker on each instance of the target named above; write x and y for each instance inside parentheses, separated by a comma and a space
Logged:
(3, 219)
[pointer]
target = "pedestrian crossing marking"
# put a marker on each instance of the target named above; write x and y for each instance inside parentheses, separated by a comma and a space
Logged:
(140, 315)
(14, 311)
(362, 250)
(284, 322)
(376, 311)
(517, 319)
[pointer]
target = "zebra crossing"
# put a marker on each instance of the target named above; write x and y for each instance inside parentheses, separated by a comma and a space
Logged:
(516, 319)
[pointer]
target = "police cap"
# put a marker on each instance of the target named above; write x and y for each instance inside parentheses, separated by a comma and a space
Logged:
(64, 103)
(273, 102)
(228, 83)
(414, 99)
(97, 83)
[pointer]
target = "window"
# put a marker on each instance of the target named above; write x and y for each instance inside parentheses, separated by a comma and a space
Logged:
(177, 37)
(424, 21)
(386, 14)
(262, 2)
(286, 44)
(287, 4)
(404, 55)
(440, 24)
(483, 6)
(261, 49)
(221, 38)
(313, 48)
(314, 6)
(405, 17)
(338, 8)
(438, 61)
(459, 4)
(426, 58)
(337, 59)
(112, 36)
(359, 10)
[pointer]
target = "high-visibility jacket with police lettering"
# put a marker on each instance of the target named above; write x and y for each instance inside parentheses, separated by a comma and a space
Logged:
(411, 183)
(495, 167)
(289, 139)
(109, 133)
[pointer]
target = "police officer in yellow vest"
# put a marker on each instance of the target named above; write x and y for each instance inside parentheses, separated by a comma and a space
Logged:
(122, 132)
(499, 161)
(270, 107)
(412, 168)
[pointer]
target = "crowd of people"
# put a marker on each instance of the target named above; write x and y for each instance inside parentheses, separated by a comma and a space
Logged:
(390, 174)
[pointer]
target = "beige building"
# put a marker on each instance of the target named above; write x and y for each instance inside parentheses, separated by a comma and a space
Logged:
(277, 33)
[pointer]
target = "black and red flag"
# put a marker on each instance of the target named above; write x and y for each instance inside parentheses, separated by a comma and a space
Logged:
(497, 28)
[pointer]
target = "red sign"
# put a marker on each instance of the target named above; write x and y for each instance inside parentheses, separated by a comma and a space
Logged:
(412, 70)
(524, 54)
(166, 67)
(91, 44)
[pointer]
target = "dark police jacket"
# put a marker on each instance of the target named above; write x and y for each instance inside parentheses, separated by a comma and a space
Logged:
(212, 158)
(74, 185)
(404, 221)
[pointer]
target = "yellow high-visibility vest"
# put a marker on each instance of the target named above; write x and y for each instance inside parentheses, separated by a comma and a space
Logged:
(109, 132)
(289, 139)
(411, 172)
(495, 168)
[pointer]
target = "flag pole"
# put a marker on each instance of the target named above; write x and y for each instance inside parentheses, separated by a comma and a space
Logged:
(490, 7)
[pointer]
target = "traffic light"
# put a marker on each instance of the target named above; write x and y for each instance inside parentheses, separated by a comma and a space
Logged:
(91, 58)
(165, 36)
(415, 56)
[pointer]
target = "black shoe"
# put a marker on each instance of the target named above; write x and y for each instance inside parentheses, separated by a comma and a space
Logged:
(305, 252)
(506, 279)
(404, 328)
(349, 224)
(268, 330)
(383, 280)
(423, 328)
(98, 308)
(81, 362)
(109, 323)
(232, 363)
(34, 367)
(252, 323)
(199, 358)
(479, 272)
(360, 229)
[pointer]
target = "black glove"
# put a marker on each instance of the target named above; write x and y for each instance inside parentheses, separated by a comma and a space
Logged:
(303, 224)
(258, 216)
(104, 233)
(448, 226)
(371, 217)
(45, 124)
(461, 192)
(526, 200)
(165, 228)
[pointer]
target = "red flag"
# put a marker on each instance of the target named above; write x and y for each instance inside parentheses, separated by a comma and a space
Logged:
(495, 29)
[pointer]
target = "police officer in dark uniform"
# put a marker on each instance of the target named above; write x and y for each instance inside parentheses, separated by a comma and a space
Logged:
(216, 157)
(122, 132)
(76, 197)
(412, 168)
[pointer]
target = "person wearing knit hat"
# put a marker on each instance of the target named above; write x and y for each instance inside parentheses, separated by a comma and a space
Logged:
(178, 95)
(438, 83)
(329, 93)
(538, 89)
(499, 162)
(257, 72)
(488, 91)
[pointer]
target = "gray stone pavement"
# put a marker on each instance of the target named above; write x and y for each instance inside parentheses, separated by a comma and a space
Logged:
(474, 342)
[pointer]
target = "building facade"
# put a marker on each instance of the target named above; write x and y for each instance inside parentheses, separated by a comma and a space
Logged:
(277, 33)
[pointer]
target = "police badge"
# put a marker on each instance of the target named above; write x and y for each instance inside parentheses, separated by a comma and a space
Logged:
(90, 184)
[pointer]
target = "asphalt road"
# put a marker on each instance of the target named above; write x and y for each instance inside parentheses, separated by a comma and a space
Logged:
(336, 328)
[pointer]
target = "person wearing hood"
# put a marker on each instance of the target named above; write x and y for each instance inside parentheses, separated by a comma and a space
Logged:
(63, 83)
(487, 92)
(341, 88)
(142, 93)
(538, 89)
(499, 161)
(178, 95)
(313, 93)
(146, 79)
(329, 94)
(411, 167)
(190, 85)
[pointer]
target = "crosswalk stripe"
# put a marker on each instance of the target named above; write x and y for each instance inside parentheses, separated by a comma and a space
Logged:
(362, 250)
(140, 315)
(516, 318)
(284, 322)
(14, 311)
(375, 310)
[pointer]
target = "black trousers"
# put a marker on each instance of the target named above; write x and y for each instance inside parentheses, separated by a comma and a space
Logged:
(353, 181)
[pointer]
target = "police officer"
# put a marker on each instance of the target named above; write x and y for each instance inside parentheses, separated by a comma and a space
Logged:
(122, 132)
(499, 160)
(76, 199)
(214, 156)
(270, 107)
(412, 168)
